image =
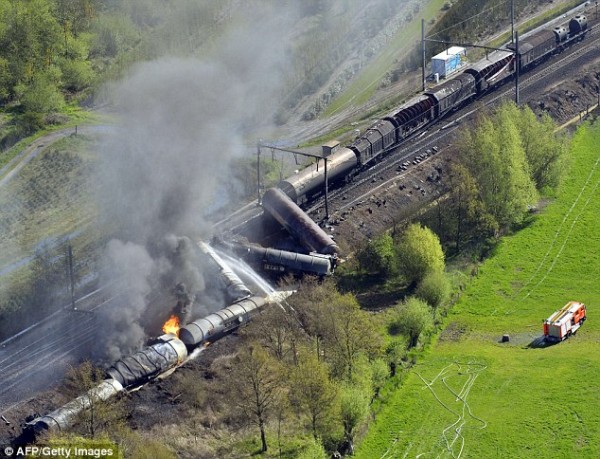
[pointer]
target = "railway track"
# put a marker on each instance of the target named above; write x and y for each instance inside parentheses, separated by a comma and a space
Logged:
(532, 83)
(37, 358)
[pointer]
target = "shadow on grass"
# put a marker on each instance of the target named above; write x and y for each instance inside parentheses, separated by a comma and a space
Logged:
(374, 291)
(541, 342)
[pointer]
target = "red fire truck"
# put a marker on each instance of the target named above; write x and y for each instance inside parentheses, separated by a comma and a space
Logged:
(564, 322)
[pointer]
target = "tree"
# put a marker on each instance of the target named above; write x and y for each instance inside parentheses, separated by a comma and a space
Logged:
(342, 331)
(378, 256)
(354, 407)
(380, 372)
(30, 39)
(419, 252)
(494, 155)
(312, 393)
(313, 450)
(255, 384)
(434, 289)
(311, 303)
(413, 317)
(465, 207)
(100, 416)
(42, 95)
(76, 74)
(277, 330)
(544, 149)
(349, 334)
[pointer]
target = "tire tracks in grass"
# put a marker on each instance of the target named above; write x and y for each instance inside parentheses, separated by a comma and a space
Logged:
(452, 433)
(558, 233)
(565, 241)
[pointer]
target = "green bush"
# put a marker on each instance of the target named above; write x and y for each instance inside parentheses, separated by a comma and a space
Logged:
(413, 317)
(313, 450)
(42, 96)
(378, 256)
(434, 288)
(76, 75)
(419, 252)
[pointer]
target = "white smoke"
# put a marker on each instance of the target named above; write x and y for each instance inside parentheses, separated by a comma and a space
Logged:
(182, 120)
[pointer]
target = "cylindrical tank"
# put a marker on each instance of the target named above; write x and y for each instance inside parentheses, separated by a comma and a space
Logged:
(561, 33)
(578, 24)
(311, 179)
(148, 363)
(65, 416)
(214, 326)
(299, 225)
(273, 259)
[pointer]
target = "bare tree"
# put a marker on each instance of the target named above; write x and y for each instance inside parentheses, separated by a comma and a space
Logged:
(277, 330)
(255, 384)
(99, 415)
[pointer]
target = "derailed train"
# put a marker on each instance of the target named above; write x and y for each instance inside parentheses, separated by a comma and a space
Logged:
(430, 107)
(160, 358)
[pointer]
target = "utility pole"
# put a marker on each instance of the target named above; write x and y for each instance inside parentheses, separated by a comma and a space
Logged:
(71, 277)
(512, 21)
(423, 49)
(326, 190)
(258, 173)
(517, 67)
(302, 153)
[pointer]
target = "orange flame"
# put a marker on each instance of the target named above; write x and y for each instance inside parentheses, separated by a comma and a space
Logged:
(172, 325)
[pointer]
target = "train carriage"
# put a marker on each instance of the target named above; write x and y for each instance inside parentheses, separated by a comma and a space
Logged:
(578, 25)
(375, 141)
(310, 181)
(413, 115)
(533, 48)
(561, 34)
(490, 71)
(452, 93)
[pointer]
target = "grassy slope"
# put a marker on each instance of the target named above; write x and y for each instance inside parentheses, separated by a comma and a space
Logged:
(363, 87)
(524, 402)
(48, 200)
(50, 197)
(76, 116)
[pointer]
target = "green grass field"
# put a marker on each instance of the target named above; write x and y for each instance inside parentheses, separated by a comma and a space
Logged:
(471, 396)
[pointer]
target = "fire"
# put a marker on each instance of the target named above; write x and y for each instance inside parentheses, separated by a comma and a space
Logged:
(172, 325)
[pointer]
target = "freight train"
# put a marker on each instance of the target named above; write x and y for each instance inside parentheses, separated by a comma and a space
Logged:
(431, 106)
